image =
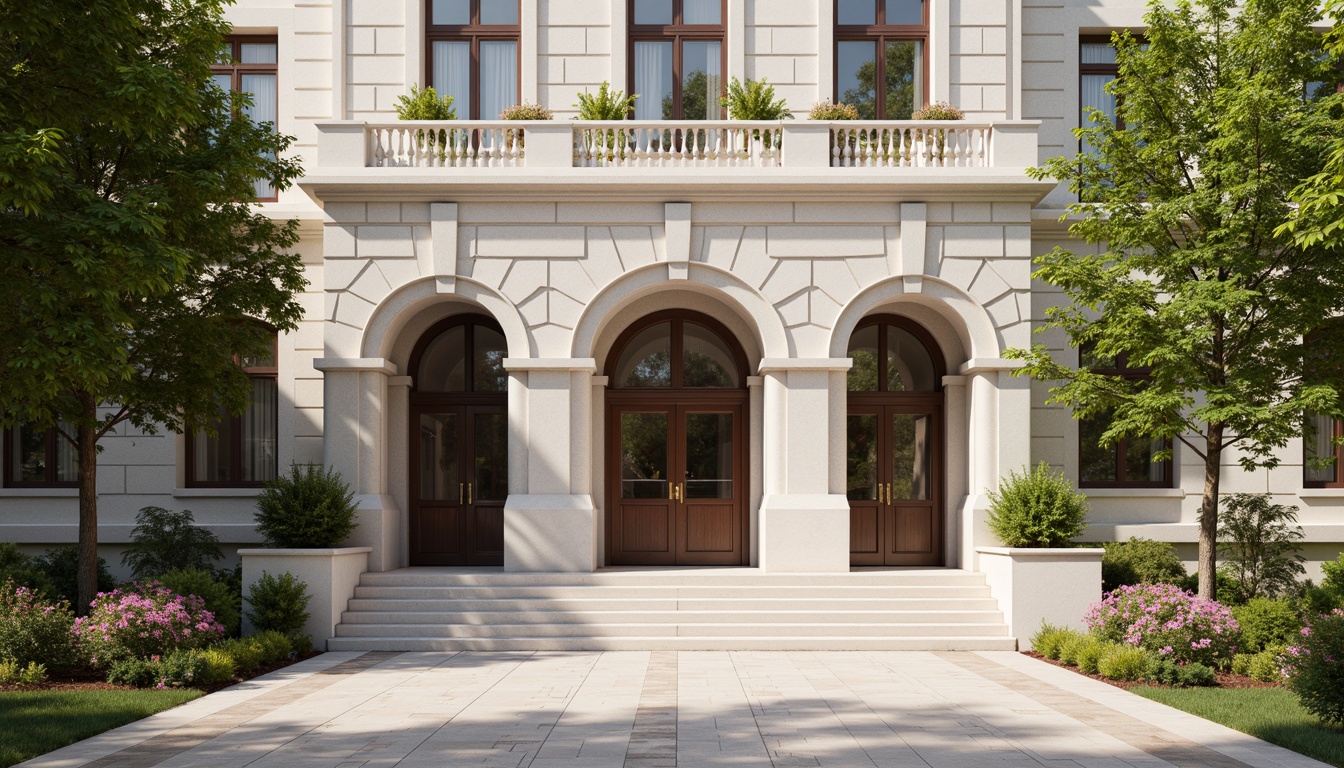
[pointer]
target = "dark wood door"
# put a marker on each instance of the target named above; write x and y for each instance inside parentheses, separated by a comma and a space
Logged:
(677, 485)
(459, 481)
(894, 481)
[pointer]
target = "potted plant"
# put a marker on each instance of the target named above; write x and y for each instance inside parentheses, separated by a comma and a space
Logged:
(755, 100)
(932, 142)
(607, 104)
(427, 104)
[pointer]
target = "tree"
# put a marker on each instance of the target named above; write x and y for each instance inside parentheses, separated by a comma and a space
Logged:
(131, 252)
(1188, 273)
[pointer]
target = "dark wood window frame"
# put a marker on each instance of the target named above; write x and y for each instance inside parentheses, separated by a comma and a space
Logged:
(921, 335)
(235, 69)
(235, 446)
(677, 33)
(474, 33)
(1095, 69)
(1121, 446)
(880, 33)
(1338, 482)
(678, 318)
(50, 442)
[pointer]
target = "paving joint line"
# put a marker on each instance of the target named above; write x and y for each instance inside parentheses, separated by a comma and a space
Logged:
(656, 715)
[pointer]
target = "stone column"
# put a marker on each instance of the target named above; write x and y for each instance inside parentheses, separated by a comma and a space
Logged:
(804, 524)
(960, 547)
(1000, 441)
(550, 522)
(354, 442)
(398, 463)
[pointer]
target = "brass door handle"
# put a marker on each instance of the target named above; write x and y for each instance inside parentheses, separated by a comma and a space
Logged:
(459, 492)
(888, 494)
(671, 491)
(468, 493)
(677, 489)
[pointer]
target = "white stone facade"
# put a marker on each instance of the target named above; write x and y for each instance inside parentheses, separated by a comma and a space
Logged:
(789, 258)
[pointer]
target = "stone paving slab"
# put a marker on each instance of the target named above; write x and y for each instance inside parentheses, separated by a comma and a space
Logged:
(670, 709)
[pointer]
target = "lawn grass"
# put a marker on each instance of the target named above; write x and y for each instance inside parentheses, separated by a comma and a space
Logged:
(1272, 714)
(36, 722)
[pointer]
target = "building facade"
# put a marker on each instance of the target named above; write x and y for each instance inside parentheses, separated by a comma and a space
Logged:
(562, 345)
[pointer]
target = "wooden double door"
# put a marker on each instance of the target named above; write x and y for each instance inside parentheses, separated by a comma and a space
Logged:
(677, 479)
(459, 482)
(894, 483)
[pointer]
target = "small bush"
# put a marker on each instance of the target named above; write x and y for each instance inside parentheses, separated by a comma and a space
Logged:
(180, 669)
(274, 646)
(938, 110)
(1258, 544)
(1140, 561)
(218, 666)
(1267, 666)
(1165, 671)
(606, 104)
(1123, 662)
(222, 599)
(1318, 674)
(1049, 640)
(1241, 663)
(62, 568)
(754, 100)
(1265, 622)
(143, 621)
(1226, 589)
(1087, 657)
(164, 541)
(1330, 594)
(312, 507)
(1036, 509)
(825, 110)
(245, 653)
(1168, 621)
(33, 628)
(425, 105)
(526, 112)
(23, 570)
(278, 604)
(11, 673)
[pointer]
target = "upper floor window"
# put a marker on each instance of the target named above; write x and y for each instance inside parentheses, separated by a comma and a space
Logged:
(1322, 453)
(248, 64)
(473, 55)
(677, 58)
(40, 458)
(880, 56)
(1097, 68)
(1127, 463)
(243, 451)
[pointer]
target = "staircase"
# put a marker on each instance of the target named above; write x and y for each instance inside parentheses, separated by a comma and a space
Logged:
(450, 609)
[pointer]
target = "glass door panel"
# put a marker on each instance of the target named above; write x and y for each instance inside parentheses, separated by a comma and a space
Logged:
(861, 465)
(709, 456)
(490, 449)
(910, 456)
(643, 454)
(440, 476)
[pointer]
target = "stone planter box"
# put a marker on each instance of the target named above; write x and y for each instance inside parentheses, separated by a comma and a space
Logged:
(331, 576)
(1035, 585)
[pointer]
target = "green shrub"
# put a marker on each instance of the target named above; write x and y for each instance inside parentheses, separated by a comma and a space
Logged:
(1258, 544)
(61, 566)
(1068, 652)
(1036, 509)
(1123, 662)
(606, 104)
(1140, 561)
(1265, 622)
(179, 669)
(33, 628)
(825, 110)
(1241, 663)
(141, 621)
(217, 667)
(23, 570)
(311, 507)
(1330, 594)
(221, 598)
(526, 111)
(1049, 640)
(425, 105)
(1267, 665)
(1087, 657)
(278, 604)
(245, 653)
(938, 110)
(1166, 671)
(1226, 589)
(1318, 661)
(1166, 620)
(164, 541)
(12, 673)
(754, 100)
(275, 646)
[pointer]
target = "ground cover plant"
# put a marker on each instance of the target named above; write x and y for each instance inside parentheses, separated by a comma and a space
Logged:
(36, 722)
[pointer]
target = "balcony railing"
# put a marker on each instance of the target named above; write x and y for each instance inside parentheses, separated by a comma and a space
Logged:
(678, 144)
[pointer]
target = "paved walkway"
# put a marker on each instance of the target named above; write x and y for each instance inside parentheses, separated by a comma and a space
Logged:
(666, 709)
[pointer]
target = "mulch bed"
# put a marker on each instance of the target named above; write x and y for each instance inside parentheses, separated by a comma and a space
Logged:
(1224, 679)
(85, 680)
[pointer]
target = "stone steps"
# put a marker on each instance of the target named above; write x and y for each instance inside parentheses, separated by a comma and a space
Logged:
(432, 609)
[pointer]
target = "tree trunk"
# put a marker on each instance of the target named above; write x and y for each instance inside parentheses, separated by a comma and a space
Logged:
(1208, 513)
(86, 444)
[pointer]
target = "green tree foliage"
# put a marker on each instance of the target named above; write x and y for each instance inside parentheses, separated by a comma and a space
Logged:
(899, 90)
(1258, 544)
(130, 249)
(164, 541)
(1185, 271)
(1038, 508)
(61, 566)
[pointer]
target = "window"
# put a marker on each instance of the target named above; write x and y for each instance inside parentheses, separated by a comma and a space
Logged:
(1318, 447)
(248, 64)
(881, 41)
(243, 451)
(677, 58)
(1097, 68)
(40, 458)
(1129, 462)
(473, 55)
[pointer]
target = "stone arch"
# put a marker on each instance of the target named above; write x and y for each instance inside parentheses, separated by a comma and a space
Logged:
(405, 314)
(750, 317)
(936, 304)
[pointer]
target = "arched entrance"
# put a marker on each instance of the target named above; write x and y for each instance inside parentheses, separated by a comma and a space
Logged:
(676, 443)
(459, 474)
(895, 448)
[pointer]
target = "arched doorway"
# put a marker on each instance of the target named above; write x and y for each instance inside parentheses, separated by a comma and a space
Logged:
(676, 443)
(894, 444)
(459, 450)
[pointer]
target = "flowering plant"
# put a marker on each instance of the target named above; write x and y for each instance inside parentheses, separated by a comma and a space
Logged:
(142, 621)
(1167, 620)
(1316, 667)
(33, 629)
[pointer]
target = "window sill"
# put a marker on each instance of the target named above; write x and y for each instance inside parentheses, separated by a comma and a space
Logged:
(1321, 493)
(1133, 493)
(39, 493)
(216, 493)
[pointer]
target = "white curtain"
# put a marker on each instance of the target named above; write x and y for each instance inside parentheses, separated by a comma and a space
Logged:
(653, 78)
(1317, 445)
(707, 57)
(452, 73)
(67, 456)
(265, 102)
(701, 12)
(259, 433)
(499, 77)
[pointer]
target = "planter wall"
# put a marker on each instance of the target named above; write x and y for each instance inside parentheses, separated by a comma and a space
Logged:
(331, 576)
(1035, 585)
